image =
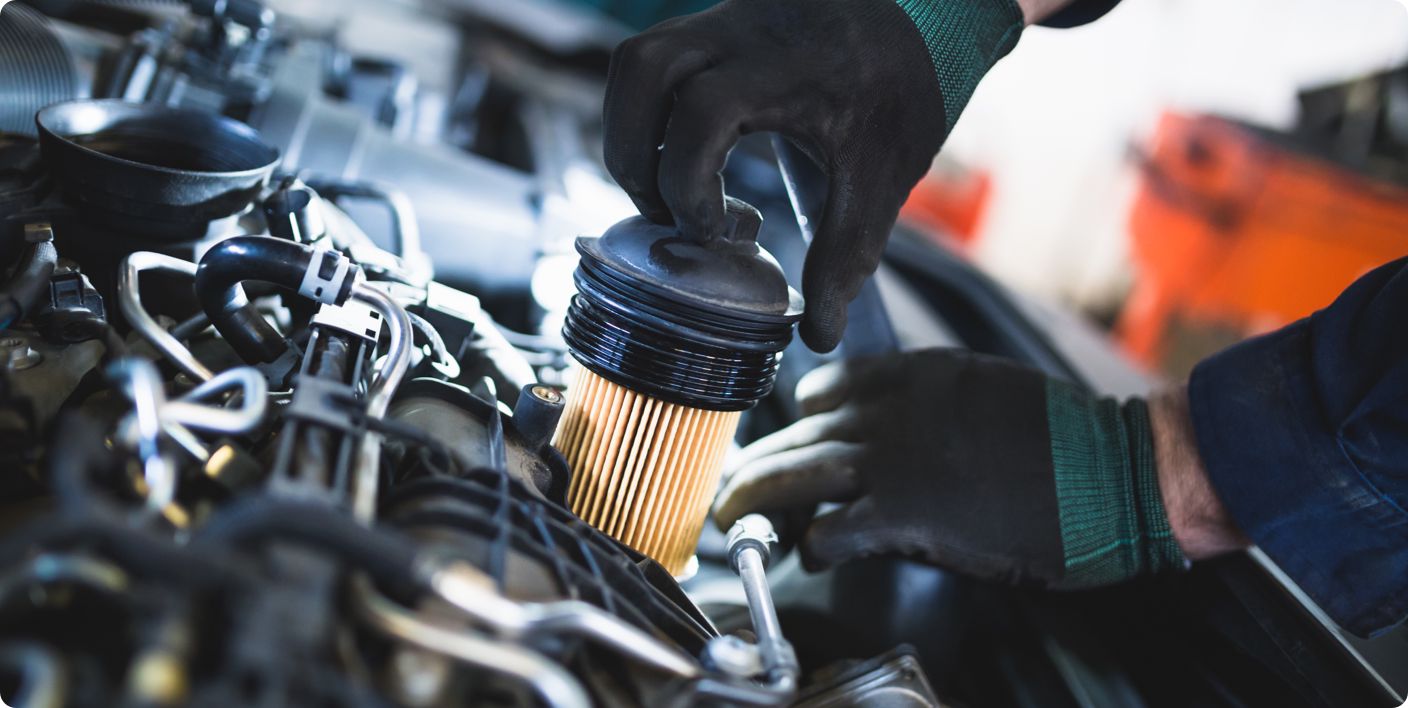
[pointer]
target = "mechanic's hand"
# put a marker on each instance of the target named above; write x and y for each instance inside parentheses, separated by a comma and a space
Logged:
(852, 82)
(968, 462)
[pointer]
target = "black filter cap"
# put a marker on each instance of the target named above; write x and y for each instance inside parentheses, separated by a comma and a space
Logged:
(699, 324)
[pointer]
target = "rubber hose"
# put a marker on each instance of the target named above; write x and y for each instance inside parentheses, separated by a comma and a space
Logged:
(76, 450)
(135, 549)
(390, 559)
(261, 258)
(30, 283)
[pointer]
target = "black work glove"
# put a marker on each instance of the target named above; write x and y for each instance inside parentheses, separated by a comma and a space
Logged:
(967, 462)
(869, 89)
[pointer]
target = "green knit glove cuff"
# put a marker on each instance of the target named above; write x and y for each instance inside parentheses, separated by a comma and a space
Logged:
(1113, 524)
(965, 38)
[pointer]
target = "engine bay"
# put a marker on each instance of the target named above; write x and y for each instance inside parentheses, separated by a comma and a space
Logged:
(282, 462)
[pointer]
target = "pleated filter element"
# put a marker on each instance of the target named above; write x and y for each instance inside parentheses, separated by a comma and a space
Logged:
(644, 470)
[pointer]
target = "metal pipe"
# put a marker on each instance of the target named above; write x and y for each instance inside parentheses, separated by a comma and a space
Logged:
(187, 440)
(444, 362)
(755, 586)
(405, 228)
(139, 379)
(465, 587)
(179, 416)
(507, 361)
(129, 298)
(379, 393)
(254, 401)
(548, 680)
(197, 323)
(71, 569)
(774, 648)
(43, 678)
(398, 350)
(750, 543)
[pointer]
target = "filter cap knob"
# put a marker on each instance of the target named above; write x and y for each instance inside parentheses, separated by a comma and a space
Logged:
(729, 274)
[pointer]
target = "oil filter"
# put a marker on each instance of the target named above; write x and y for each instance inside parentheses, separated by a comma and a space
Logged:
(675, 339)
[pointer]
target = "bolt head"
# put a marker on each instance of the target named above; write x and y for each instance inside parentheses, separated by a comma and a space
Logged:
(18, 355)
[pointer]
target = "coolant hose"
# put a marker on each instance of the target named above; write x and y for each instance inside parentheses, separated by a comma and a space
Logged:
(30, 283)
(320, 274)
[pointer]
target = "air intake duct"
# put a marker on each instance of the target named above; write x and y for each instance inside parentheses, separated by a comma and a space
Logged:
(675, 339)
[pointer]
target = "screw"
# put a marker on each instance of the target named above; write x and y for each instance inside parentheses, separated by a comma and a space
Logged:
(547, 393)
(19, 356)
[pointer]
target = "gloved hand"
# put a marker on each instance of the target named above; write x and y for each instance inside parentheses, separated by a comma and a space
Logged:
(643, 13)
(967, 462)
(869, 89)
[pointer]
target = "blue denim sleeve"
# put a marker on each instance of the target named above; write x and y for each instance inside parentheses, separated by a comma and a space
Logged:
(1304, 433)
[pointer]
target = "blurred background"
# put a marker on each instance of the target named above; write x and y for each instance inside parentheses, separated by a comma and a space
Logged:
(1187, 171)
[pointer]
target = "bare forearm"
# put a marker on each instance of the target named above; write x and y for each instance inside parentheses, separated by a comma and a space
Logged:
(1200, 522)
(1037, 10)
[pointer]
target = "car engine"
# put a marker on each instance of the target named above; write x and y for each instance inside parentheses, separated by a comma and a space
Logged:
(256, 454)
(296, 339)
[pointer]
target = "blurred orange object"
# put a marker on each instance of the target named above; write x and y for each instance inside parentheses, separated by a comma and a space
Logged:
(950, 200)
(1234, 235)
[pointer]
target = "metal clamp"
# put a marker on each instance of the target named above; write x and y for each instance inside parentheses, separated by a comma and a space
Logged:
(327, 276)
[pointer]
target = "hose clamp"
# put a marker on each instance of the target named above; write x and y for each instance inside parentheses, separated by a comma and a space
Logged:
(328, 278)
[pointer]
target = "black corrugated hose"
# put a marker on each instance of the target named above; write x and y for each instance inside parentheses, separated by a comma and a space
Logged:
(36, 69)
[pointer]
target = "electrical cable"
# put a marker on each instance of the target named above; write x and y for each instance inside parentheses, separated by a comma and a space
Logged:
(30, 282)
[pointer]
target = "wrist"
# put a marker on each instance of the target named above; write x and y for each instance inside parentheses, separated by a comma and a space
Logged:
(1112, 520)
(1034, 11)
(1201, 524)
(964, 38)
